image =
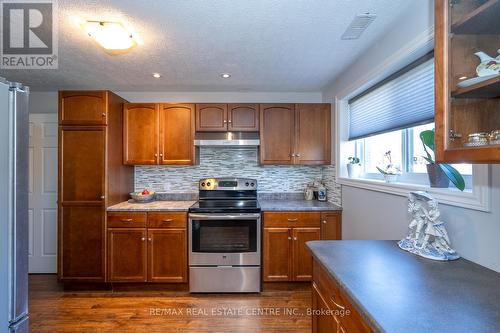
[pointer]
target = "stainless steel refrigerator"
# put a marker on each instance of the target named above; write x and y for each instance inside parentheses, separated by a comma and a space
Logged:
(14, 175)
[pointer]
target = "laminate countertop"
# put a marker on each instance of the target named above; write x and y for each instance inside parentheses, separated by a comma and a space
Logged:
(155, 206)
(400, 292)
(297, 205)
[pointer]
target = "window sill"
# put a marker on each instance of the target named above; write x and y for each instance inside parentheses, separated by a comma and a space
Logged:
(477, 199)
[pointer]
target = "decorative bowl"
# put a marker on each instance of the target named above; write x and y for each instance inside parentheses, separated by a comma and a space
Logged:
(139, 197)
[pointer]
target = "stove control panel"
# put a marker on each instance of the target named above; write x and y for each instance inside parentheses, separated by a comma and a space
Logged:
(228, 184)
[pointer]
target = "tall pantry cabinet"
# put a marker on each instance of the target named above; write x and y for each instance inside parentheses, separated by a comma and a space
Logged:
(91, 177)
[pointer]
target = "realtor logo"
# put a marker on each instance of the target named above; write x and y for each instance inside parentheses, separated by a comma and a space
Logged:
(29, 34)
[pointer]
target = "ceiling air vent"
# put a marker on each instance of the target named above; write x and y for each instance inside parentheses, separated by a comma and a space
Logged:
(358, 25)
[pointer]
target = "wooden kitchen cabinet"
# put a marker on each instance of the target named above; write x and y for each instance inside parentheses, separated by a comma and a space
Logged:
(295, 134)
(331, 225)
(322, 323)
(243, 117)
(140, 133)
(464, 107)
(285, 256)
(211, 117)
(83, 108)
(277, 249)
(82, 168)
(127, 255)
(277, 133)
(91, 177)
(157, 242)
(328, 295)
(167, 255)
(227, 117)
(159, 134)
(81, 242)
(302, 259)
(177, 127)
(313, 137)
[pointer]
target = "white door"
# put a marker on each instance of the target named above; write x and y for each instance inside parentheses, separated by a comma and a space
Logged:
(43, 193)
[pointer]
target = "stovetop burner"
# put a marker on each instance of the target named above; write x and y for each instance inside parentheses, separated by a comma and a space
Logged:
(226, 206)
(227, 195)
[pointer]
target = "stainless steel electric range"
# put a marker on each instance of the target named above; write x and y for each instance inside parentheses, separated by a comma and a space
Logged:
(225, 237)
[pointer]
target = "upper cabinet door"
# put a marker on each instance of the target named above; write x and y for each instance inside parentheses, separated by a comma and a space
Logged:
(82, 107)
(277, 128)
(467, 84)
(140, 133)
(211, 117)
(82, 155)
(243, 117)
(313, 134)
(177, 134)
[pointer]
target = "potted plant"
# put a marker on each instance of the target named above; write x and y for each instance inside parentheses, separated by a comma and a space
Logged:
(389, 170)
(353, 167)
(440, 174)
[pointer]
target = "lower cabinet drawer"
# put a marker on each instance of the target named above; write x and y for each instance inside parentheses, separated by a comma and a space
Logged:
(167, 220)
(337, 300)
(292, 219)
(126, 219)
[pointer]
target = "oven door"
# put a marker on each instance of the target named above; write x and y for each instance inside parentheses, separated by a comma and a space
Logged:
(224, 239)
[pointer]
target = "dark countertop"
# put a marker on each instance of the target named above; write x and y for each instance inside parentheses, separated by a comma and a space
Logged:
(400, 292)
(297, 205)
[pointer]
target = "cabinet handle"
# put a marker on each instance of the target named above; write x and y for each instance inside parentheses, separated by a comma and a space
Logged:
(293, 220)
(292, 155)
(167, 220)
(324, 222)
(161, 155)
(102, 197)
(289, 238)
(297, 155)
(143, 239)
(156, 155)
(225, 121)
(150, 239)
(336, 304)
(294, 238)
(127, 220)
(104, 115)
(230, 121)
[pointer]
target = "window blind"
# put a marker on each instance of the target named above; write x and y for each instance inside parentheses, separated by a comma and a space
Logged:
(403, 101)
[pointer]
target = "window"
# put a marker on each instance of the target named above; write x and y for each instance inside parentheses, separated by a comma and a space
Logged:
(406, 151)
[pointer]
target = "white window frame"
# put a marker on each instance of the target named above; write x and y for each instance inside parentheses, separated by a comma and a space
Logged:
(477, 199)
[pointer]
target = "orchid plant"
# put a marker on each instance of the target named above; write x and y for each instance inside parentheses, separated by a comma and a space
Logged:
(388, 168)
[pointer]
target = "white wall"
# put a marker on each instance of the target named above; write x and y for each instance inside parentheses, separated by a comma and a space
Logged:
(43, 102)
(375, 215)
(46, 102)
(224, 97)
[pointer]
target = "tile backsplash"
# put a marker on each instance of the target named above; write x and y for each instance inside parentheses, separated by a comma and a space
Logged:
(228, 162)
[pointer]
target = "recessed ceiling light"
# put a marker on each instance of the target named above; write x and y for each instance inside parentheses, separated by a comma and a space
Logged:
(110, 35)
(225, 75)
(156, 75)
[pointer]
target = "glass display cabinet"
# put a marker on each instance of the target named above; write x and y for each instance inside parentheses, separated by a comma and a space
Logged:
(467, 80)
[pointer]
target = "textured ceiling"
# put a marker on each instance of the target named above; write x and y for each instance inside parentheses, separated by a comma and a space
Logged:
(281, 45)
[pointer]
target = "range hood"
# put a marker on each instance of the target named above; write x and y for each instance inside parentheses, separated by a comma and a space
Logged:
(227, 139)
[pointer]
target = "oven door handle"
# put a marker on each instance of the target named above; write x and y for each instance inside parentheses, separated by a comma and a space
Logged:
(223, 216)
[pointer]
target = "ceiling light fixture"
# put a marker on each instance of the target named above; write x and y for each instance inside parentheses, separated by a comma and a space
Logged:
(156, 75)
(112, 36)
(225, 75)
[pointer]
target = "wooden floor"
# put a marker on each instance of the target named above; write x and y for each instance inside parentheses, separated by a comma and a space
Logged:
(54, 310)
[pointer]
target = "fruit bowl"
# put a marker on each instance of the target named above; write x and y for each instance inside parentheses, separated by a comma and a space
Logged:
(144, 196)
